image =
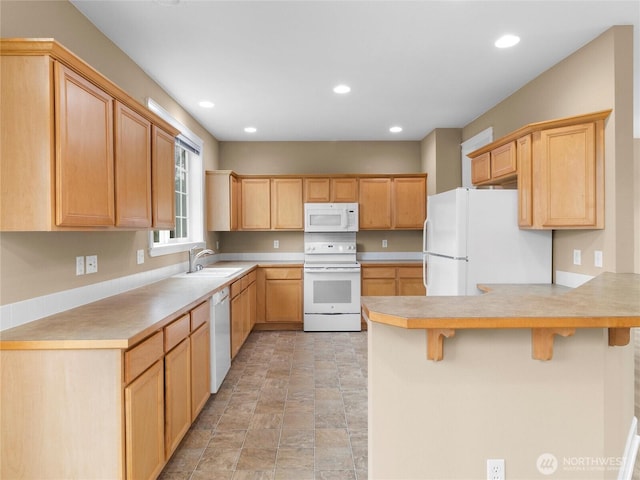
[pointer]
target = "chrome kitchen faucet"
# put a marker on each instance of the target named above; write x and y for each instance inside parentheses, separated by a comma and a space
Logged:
(193, 258)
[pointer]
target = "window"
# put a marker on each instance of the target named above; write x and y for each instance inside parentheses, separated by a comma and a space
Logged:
(189, 197)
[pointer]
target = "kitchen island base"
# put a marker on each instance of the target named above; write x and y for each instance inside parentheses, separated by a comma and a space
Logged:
(488, 399)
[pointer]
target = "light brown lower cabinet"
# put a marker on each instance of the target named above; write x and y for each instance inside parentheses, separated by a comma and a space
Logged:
(279, 295)
(144, 424)
(392, 280)
(107, 412)
(177, 377)
(243, 310)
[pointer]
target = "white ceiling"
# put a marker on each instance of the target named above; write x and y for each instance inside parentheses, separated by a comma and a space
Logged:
(418, 64)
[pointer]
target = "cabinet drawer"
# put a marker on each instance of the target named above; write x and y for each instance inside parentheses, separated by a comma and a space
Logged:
(248, 279)
(175, 332)
(200, 315)
(379, 272)
(236, 288)
(142, 356)
(409, 272)
(283, 273)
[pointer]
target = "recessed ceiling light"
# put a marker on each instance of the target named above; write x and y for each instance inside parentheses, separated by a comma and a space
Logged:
(342, 89)
(250, 129)
(507, 41)
(206, 104)
(395, 129)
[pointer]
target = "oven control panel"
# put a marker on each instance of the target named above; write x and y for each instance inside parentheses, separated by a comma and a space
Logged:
(330, 247)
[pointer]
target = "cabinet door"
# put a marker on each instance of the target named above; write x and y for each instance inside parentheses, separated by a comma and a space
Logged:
(317, 190)
(222, 201)
(237, 322)
(481, 168)
(567, 163)
(252, 294)
(503, 160)
(283, 295)
(525, 181)
(144, 424)
(200, 369)
(375, 203)
(255, 203)
(410, 281)
(132, 168)
(234, 199)
(163, 171)
(410, 202)
(286, 204)
(177, 375)
(84, 153)
(344, 189)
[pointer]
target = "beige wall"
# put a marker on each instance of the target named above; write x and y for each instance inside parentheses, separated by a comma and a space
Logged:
(596, 77)
(440, 152)
(272, 158)
(34, 264)
(320, 157)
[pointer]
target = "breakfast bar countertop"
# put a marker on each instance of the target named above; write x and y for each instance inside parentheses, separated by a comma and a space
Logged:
(608, 300)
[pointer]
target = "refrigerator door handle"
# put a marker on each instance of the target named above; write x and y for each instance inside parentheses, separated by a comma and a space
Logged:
(425, 229)
(466, 259)
(425, 273)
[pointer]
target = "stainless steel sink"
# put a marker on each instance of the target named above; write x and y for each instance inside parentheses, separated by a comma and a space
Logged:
(212, 272)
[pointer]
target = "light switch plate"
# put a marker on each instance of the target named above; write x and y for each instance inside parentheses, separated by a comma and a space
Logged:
(577, 257)
(597, 258)
(79, 265)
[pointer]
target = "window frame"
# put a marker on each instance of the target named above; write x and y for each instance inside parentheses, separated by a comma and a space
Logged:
(195, 189)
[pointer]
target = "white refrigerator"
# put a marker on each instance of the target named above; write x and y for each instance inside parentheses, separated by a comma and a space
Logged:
(471, 236)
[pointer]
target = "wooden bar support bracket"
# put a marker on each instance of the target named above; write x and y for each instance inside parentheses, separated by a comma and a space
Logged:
(619, 337)
(542, 341)
(435, 342)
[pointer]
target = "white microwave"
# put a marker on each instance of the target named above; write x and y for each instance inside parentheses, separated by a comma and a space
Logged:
(330, 217)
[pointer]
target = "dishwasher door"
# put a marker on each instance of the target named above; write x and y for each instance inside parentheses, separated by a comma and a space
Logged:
(220, 338)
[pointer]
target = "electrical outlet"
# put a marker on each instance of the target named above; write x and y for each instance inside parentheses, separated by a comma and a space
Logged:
(495, 469)
(218, 245)
(140, 256)
(92, 263)
(79, 265)
(384, 244)
(577, 257)
(276, 244)
(597, 258)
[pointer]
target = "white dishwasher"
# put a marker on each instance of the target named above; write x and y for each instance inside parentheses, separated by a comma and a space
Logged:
(220, 338)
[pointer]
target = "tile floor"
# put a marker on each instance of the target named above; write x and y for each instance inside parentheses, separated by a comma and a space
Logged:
(293, 406)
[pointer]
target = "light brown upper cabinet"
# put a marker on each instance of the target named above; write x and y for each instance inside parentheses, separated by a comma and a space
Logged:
(163, 174)
(271, 203)
(222, 200)
(286, 204)
(560, 171)
(76, 149)
(397, 202)
(375, 203)
(498, 165)
(84, 161)
(133, 168)
(255, 203)
(330, 189)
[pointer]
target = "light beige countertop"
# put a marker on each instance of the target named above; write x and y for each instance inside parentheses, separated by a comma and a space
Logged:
(122, 320)
(608, 300)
